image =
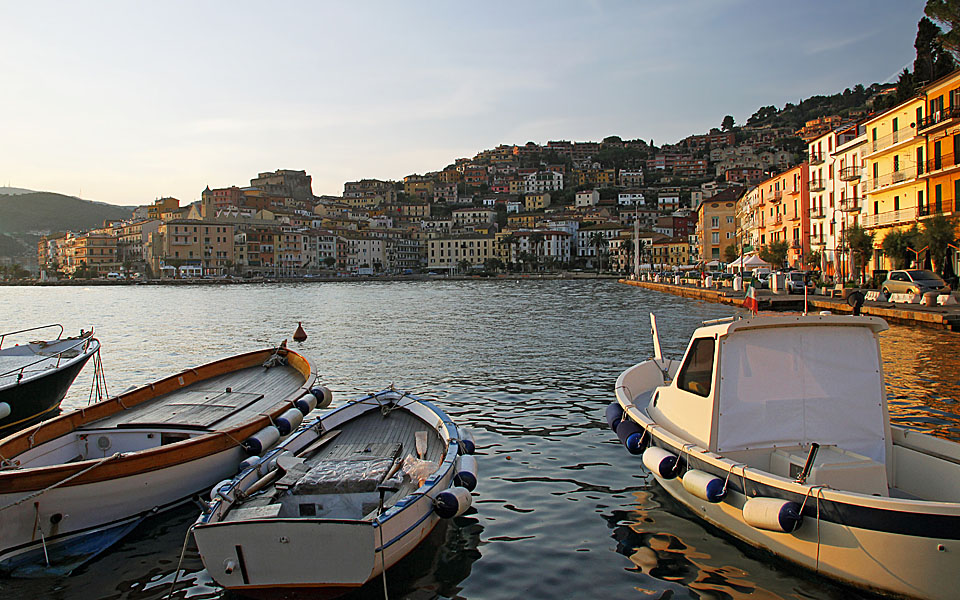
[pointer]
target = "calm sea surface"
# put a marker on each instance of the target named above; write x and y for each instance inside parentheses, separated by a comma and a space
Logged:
(562, 511)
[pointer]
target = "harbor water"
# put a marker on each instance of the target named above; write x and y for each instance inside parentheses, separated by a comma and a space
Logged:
(561, 510)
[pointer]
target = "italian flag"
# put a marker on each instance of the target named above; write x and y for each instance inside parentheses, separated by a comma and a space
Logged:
(750, 300)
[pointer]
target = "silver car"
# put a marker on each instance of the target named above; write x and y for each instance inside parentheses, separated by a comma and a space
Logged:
(913, 282)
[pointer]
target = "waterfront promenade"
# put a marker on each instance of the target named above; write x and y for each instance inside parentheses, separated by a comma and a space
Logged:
(937, 317)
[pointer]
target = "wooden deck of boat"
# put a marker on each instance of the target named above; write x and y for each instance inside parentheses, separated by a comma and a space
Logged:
(207, 405)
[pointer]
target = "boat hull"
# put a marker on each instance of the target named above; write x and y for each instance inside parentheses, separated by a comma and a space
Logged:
(39, 398)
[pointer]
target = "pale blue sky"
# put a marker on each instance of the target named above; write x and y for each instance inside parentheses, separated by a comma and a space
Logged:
(125, 102)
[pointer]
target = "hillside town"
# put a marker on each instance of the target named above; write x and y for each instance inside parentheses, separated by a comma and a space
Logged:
(611, 205)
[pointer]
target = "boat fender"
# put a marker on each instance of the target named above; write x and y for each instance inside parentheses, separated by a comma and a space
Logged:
(660, 462)
(306, 403)
(772, 514)
(222, 490)
(705, 486)
(452, 502)
(248, 463)
(4, 410)
(271, 463)
(631, 436)
(466, 472)
(289, 420)
(467, 445)
(323, 395)
(614, 415)
(262, 440)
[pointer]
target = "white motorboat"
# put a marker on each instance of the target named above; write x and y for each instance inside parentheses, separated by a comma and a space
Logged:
(340, 501)
(776, 431)
(73, 485)
(35, 376)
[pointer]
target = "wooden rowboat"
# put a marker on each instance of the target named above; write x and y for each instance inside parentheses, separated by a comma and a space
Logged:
(340, 502)
(72, 486)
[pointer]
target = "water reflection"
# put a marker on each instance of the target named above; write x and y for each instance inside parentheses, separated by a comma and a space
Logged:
(562, 511)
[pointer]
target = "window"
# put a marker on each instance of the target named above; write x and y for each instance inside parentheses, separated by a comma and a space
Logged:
(696, 374)
(714, 222)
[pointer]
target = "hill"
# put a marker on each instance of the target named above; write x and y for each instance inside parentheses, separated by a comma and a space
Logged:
(12, 191)
(46, 211)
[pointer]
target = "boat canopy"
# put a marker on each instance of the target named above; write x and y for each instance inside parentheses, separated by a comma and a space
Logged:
(788, 386)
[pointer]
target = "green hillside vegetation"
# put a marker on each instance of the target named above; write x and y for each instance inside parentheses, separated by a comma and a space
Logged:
(45, 211)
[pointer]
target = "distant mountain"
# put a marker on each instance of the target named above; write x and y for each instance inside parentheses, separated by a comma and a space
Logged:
(12, 191)
(46, 211)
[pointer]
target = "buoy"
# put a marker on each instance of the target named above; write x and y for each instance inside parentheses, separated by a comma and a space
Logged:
(299, 335)
(660, 462)
(289, 420)
(466, 472)
(323, 395)
(262, 440)
(222, 490)
(467, 445)
(772, 514)
(248, 462)
(614, 415)
(4, 410)
(704, 485)
(306, 403)
(452, 502)
(631, 436)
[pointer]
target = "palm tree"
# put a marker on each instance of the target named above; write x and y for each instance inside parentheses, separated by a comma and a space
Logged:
(536, 241)
(599, 242)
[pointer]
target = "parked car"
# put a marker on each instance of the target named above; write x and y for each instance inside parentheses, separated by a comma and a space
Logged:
(796, 281)
(763, 279)
(913, 281)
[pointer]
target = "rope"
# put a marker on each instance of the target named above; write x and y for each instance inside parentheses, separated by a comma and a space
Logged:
(383, 565)
(99, 381)
(62, 481)
(183, 550)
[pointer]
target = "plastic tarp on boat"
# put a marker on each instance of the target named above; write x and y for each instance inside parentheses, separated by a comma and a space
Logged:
(795, 385)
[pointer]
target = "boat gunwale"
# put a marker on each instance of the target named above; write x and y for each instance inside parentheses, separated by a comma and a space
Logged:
(142, 461)
(93, 346)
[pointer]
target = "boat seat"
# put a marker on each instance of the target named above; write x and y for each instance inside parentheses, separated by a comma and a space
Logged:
(834, 467)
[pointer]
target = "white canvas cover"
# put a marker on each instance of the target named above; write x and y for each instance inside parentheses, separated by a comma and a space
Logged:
(795, 385)
(747, 263)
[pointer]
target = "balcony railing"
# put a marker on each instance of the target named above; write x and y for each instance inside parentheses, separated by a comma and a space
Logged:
(850, 204)
(869, 185)
(778, 220)
(941, 162)
(817, 185)
(817, 239)
(943, 209)
(850, 173)
(816, 212)
(939, 117)
(889, 140)
(891, 217)
(816, 158)
(775, 197)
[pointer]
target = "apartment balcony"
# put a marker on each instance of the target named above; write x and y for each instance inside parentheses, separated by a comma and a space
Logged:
(776, 196)
(817, 185)
(817, 239)
(939, 118)
(850, 204)
(889, 140)
(816, 158)
(895, 178)
(929, 211)
(850, 173)
(817, 212)
(778, 220)
(944, 161)
(891, 217)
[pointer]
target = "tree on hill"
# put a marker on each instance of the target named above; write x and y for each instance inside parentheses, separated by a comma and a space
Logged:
(727, 123)
(932, 62)
(947, 14)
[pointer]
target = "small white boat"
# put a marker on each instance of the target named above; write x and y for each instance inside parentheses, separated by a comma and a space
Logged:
(73, 485)
(776, 431)
(35, 376)
(340, 501)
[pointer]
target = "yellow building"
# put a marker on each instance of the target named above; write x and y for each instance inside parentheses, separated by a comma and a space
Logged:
(668, 253)
(161, 207)
(203, 247)
(941, 170)
(716, 227)
(536, 201)
(891, 185)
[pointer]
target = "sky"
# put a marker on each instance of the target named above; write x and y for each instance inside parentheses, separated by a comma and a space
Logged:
(125, 102)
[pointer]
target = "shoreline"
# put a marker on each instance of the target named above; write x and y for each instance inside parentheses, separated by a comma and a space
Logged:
(935, 317)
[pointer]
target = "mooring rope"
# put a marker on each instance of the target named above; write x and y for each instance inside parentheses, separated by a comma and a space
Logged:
(183, 551)
(62, 481)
